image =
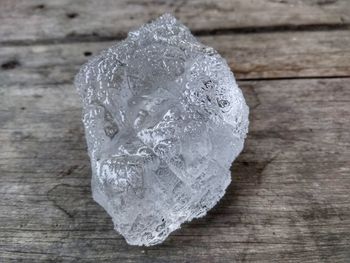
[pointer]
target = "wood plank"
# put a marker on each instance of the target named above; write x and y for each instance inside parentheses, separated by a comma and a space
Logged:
(289, 201)
(36, 20)
(252, 56)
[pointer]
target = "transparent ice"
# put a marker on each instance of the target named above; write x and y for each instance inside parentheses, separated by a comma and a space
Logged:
(164, 119)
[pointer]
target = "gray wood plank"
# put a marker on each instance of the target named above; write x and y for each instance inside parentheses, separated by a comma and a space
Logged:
(36, 20)
(289, 200)
(252, 56)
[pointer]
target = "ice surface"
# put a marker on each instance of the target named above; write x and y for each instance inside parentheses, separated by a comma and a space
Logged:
(164, 119)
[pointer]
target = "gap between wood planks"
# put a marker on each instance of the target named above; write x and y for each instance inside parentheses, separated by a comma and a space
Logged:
(291, 78)
(48, 84)
(76, 38)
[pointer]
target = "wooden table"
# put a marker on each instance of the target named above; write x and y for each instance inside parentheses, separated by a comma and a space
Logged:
(289, 200)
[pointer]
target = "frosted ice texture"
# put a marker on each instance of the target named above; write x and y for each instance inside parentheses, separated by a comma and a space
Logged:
(164, 119)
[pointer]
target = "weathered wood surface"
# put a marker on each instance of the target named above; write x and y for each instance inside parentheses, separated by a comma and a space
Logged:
(290, 198)
(252, 56)
(33, 20)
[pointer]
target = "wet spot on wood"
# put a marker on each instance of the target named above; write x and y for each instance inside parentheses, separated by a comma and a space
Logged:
(11, 64)
(72, 15)
(39, 7)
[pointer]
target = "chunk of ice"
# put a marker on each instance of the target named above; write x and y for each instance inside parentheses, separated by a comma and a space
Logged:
(164, 119)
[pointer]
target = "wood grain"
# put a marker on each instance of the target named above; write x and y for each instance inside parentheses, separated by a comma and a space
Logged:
(253, 56)
(56, 20)
(289, 200)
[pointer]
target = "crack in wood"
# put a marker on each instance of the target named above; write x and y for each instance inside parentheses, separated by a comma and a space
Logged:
(54, 201)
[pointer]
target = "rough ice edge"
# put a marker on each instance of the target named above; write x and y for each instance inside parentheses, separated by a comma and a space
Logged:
(104, 203)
